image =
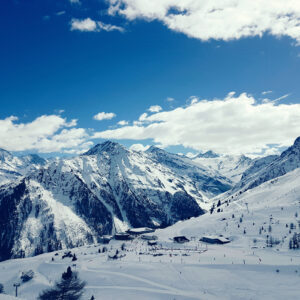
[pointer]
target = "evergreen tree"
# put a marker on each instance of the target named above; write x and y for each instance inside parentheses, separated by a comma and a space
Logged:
(70, 287)
(270, 228)
(1, 288)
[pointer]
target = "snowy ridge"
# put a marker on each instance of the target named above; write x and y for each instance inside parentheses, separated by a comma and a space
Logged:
(230, 166)
(271, 167)
(13, 167)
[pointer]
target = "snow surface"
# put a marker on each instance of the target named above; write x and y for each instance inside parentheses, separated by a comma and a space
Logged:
(8, 297)
(244, 269)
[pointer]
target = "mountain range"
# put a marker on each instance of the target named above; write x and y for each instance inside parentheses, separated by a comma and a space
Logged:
(51, 205)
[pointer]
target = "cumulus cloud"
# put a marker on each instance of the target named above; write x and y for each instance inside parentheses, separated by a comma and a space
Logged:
(83, 25)
(155, 108)
(217, 19)
(90, 25)
(47, 133)
(104, 116)
(235, 124)
(123, 123)
(139, 147)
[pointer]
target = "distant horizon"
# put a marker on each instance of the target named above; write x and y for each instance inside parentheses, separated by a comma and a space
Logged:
(134, 147)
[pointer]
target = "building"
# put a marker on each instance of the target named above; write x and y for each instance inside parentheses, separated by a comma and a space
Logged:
(123, 236)
(180, 239)
(214, 239)
(149, 237)
(152, 243)
(141, 230)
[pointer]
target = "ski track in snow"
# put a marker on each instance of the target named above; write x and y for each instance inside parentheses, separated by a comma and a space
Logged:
(165, 289)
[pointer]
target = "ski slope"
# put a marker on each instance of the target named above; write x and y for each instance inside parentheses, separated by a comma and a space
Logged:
(243, 269)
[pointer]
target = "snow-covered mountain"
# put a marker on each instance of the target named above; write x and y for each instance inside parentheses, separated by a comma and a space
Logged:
(207, 154)
(271, 167)
(256, 264)
(230, 166)
(74, 201)
(12, 167)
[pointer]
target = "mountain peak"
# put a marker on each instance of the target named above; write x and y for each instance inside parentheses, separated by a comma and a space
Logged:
(107, 146)
(153, 149)
(297, 142)
(208, 154)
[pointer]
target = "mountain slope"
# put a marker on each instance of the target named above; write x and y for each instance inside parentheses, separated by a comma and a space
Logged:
(74, 201)
(288, 161)
(248, 219)
(246, 268)
(230, 166)
(12, 167)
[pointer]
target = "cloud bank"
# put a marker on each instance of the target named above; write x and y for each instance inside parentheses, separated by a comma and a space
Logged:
(236, 124)
(47, 133)
(217, 19)
(233, 125)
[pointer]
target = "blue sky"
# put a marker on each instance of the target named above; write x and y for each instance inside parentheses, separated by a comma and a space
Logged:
(47, 65)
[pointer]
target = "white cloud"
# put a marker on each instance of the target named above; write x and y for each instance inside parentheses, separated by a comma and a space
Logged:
(170, 99)
(75, 1)
(90, 25)
(60, 13)
(139, 147)
(143, 117)
(109, 27)
(84, 25)
(104, 116)
(47, 133)
(123, 123)
(236, 124)
(190, 154)
(193, 100)
(155, 108)
(275, 100)
(266, 92)
(217, 19)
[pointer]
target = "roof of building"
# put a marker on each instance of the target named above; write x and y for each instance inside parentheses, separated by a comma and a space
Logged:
(215, 237)
(141, 230)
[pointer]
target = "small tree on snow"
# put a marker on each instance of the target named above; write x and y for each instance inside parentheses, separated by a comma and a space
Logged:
(70, 287)
(1, 288)
(270, 228)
